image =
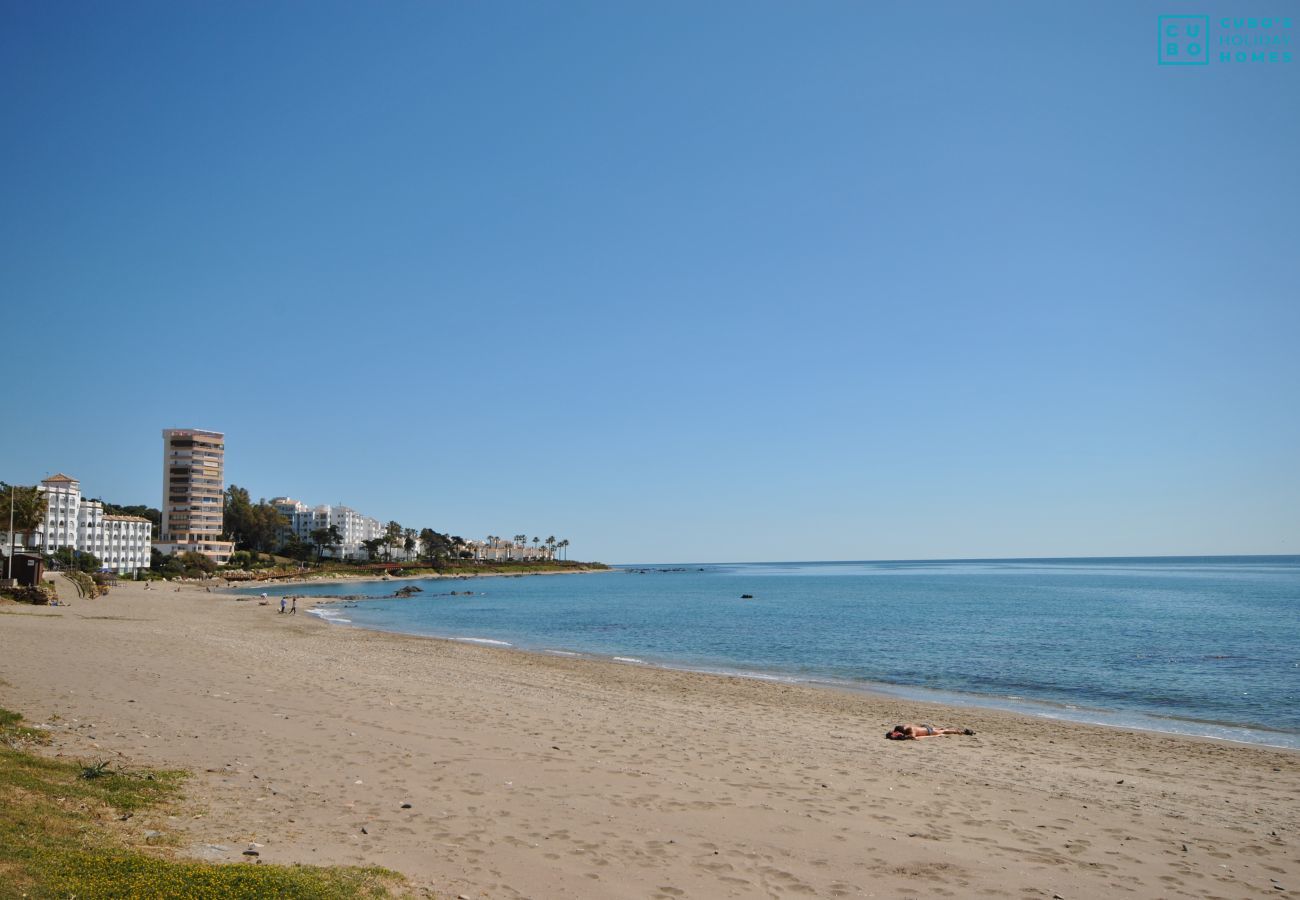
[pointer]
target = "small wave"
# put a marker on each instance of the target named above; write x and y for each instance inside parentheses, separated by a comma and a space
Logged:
(328, 615)
(756, 676)
(488, 641)
(560, 652)
(629, 659)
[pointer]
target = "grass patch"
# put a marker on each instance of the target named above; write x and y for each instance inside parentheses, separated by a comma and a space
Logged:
(14, 735)
(57, 837)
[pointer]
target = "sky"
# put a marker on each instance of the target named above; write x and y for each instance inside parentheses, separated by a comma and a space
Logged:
(676, 281)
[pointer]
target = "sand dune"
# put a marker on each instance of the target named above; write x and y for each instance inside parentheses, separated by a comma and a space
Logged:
(541, 776)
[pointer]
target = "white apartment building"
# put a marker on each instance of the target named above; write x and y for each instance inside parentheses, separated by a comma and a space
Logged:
(121, 542)
(353, 526)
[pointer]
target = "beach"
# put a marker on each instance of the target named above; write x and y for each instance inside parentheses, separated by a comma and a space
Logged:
(531, 775)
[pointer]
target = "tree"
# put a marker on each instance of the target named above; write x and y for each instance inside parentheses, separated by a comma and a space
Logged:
(564, 545)
(69, 558)
(408, 540)
(521, 540)
(294, 548)
(28, 505)
(324, 538)
(428, 538)
(243, 559)
(268, 524)
(196, 565)
(550, 545)
(434, 546)
(252, 527)
(237, 516)
(392, 537)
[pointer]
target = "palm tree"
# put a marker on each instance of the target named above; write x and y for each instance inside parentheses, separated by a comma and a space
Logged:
(550, 545)
(563, 545)
(392, 537)
(521, 540)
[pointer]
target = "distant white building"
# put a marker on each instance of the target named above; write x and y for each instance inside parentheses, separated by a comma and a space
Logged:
(353, 527)
(122, 543)
(496, 549)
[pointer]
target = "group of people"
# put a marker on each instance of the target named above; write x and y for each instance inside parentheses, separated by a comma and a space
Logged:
(293, 610)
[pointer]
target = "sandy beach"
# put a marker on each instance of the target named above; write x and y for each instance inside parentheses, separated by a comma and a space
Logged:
(547, 776)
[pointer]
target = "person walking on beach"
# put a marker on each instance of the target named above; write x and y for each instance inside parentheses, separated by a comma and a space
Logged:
(293, 611)
(281, 606)
(916, 732)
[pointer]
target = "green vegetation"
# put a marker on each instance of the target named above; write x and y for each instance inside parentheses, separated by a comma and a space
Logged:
(252, 560)
(252, 526)
(27, 505)
(185, 565)
(86, 586)
(59, 837)
(67, 558)
(325, 538)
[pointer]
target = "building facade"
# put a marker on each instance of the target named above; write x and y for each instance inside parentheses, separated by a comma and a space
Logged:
(120, 542)
(353, 526)
(193, 485)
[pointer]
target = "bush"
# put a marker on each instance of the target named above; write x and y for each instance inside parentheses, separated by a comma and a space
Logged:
(40, 596)
(66, 558)
(196, 565)
(86, 586)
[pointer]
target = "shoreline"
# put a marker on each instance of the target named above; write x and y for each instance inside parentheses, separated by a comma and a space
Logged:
(1038, 709)
(1041, 710)
(530, 774)
(252, 585)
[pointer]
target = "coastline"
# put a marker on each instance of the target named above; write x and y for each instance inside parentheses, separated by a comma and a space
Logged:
(230, 587)
(1042, 710)
(532, 774)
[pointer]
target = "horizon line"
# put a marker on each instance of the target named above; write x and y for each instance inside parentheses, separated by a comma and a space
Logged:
(780, 562)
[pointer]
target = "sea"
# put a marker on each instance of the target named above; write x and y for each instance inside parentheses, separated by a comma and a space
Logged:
(1206, 646)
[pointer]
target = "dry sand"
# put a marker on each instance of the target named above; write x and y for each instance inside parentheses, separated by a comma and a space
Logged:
(543, 776)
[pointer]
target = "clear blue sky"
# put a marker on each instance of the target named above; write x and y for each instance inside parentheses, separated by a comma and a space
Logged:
(677, 281)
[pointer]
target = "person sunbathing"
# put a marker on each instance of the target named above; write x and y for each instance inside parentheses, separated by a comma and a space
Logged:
(916, 732)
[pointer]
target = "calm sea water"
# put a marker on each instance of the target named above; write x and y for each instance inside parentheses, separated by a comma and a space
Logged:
(1207, 646)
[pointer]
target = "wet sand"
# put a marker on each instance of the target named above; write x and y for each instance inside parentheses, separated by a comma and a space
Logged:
(546, 776)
